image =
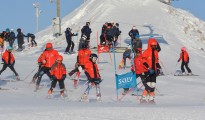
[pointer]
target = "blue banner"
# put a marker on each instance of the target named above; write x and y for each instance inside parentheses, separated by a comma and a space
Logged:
(127, 80)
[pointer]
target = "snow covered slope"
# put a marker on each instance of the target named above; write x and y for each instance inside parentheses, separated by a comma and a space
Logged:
(176, 97)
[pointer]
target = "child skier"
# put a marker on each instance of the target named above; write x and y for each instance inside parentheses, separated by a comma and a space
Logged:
(9, 61)
(184, 56)
(126, 54)
(82, 59)
(150, 61)
(58, 74)
(93, 75)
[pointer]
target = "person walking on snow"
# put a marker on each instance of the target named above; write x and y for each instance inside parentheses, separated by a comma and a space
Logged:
(48, 59)
(93, 75)
(9, 61)
(82, 59)
(184, 57)
(151, 62)
(58, 74)
(69, 41)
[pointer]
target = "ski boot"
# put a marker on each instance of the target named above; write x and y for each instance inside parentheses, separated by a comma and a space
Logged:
(84, 98)
(98, 97)
(62, 94)
(49, 94)
(75, 84)
(17, 78)
(143, 100)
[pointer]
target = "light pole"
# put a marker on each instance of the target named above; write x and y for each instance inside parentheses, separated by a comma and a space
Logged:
(57, 13)
(38, 12)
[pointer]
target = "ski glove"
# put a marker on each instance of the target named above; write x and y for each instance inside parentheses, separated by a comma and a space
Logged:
(151, 71)
(179, 60)
(63, 77)
(53, 77)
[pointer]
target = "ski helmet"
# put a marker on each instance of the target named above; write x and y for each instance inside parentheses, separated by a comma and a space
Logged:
(117, 24)
(9, 48)
(93, 55)
(7, 30)
(87, 23)
(183, 49)
(69, 29)
(60, 58)
(153, 43)
(49, 45)
(138, 50)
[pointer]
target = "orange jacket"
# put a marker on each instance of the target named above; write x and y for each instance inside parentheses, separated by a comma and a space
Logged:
(6, 56)
(83, 56)
(90, 67)
(184, 56)
(139, 66)
(58, 70)
(147, 58)
(49, 57)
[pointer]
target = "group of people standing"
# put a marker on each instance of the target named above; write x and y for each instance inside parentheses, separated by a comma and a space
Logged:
(7, 38)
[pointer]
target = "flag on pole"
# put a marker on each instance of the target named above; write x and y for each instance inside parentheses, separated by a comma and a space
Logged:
(127, 80)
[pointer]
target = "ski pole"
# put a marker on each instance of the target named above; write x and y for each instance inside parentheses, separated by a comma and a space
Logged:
(175, 67)
(30, 73)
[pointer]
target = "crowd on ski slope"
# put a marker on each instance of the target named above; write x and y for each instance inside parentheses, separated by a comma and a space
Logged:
(146, 64)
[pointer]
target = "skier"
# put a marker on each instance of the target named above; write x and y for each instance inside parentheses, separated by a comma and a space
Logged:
(39, 68)
(82, 41)
(58, 74)
(150, 60)
(1, 44)
(82, 59)
(48, 59)
(86, 30)
(9, 61)
(137, 43)
(110, 33)
(184, 56)
(20, 39)
(126, 54)
(70, 43)
(32, 36)
(138, 68)
(133, 32)
(93, 75)
(11, 38)
(117, 32)
(103, 34)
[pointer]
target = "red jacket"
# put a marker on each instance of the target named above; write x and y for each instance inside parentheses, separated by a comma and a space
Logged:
(6, 56)
(83, 56)
(147, 58)
(49, 57)
(139, 66)
(184, 56)
(90, 67)
(58, 70)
